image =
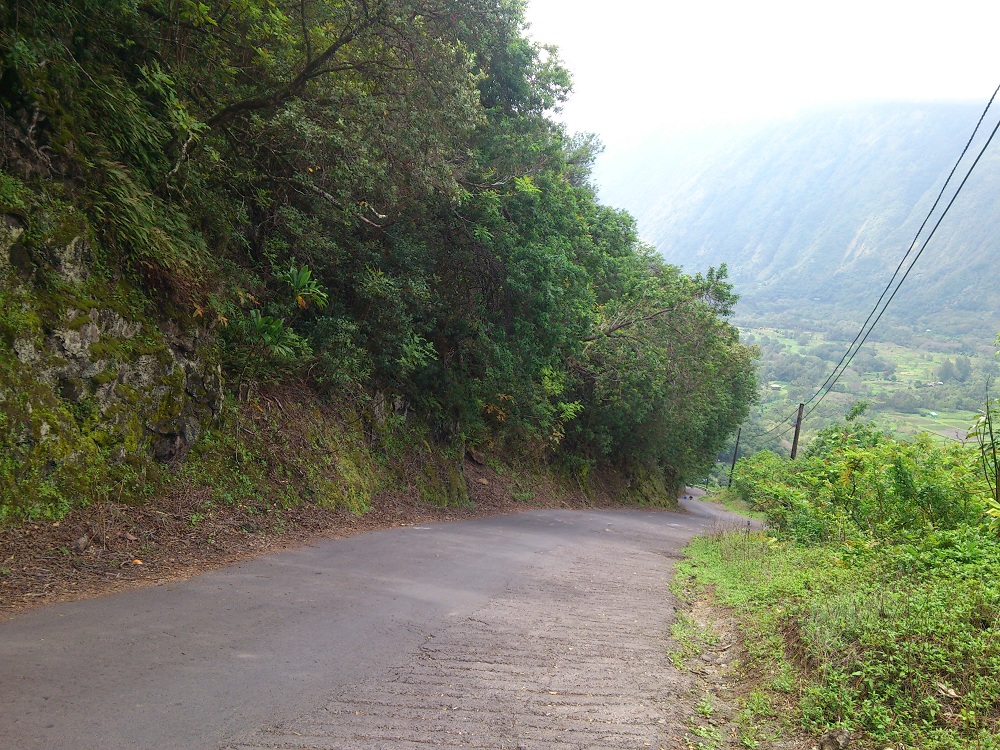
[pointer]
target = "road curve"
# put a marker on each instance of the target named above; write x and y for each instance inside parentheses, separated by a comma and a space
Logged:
(541, 629)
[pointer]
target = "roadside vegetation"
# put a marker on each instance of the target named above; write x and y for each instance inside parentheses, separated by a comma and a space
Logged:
(872, 601)
(368, 200)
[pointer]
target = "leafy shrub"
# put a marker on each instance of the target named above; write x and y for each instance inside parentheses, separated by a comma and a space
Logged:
(262, 348)
(880, 586)
(901, 643)
(854, 481)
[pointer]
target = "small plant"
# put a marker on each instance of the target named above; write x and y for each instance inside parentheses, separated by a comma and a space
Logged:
(305, 289)
(270, 337)
(263, 348)
(691, 639)
(705, 737)
(986, 438)
(706, 707)
(756, 707)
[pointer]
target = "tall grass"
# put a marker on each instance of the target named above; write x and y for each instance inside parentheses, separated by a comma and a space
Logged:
(874, 603)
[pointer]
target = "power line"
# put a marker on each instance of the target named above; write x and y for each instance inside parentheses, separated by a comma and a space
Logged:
(786, 420)
(909, 250)
(913, 262)
(862, 336)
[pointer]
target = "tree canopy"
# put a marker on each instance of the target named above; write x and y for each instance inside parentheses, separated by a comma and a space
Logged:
(374, 194)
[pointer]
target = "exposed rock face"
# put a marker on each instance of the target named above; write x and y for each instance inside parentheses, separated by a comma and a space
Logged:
(89, 381)
(141, 392)
(11, 229)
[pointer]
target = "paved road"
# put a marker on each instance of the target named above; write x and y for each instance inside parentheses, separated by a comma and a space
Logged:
(542, 629)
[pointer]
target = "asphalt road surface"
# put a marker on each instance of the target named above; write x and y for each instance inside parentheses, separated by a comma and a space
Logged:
(543, 629)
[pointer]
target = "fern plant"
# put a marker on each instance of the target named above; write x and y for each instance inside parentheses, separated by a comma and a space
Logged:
(263, 349)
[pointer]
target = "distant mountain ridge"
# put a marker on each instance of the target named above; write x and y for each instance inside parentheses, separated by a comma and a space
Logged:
(813, 214)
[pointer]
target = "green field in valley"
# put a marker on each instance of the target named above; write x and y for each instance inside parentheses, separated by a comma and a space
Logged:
(936, 387)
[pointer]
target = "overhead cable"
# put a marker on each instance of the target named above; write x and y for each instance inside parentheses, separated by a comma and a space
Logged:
(909, 250)
(910, 267)
(879, 308)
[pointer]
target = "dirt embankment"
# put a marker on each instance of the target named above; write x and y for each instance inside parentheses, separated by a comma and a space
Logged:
(111, 546)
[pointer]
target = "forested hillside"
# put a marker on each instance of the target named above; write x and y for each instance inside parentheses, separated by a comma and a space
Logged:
(370, 200)
(812, 214)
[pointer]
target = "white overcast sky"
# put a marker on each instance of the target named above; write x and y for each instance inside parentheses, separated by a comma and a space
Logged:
(643, 67)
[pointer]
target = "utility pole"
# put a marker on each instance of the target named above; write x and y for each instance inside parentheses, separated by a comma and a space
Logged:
(798, 426)
(736, 452)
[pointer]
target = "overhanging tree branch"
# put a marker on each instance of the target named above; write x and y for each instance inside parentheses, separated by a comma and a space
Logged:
(629, 322)
(313, 69)
(318, 191)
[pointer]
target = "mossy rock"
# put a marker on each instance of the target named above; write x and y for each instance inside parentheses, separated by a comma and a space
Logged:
(94, 395)
(441, 481)
(648, 485)
(300, 454)
(47, 464)
(11, 229)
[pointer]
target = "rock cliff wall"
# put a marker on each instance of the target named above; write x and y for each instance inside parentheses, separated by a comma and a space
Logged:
(96, 392)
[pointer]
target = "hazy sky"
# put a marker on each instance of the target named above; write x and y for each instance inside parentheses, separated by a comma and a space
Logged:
(643, 66)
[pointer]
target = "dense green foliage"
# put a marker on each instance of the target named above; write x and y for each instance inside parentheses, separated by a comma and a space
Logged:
(372, 195)
(876, 603)
(853, 482)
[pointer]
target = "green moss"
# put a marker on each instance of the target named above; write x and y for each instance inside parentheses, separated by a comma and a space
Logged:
(649, 487)
(65, 439)
(15, 197)
(59, 448)
(54, 224)
(18, 320)
(305, 456)
(103, 439)
(128, 301)
(335, 467)
(109, 347)
(441, 480)
(84, 411)
(47, 464)
(227, 463)
(76, 322)
(105, 377)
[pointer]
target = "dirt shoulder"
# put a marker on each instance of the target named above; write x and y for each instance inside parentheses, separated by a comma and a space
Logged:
(111, 546)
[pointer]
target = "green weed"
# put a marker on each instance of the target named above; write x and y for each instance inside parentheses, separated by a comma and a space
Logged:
(690, 639)
(901, 642)
(706, 706)
(704, 737)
